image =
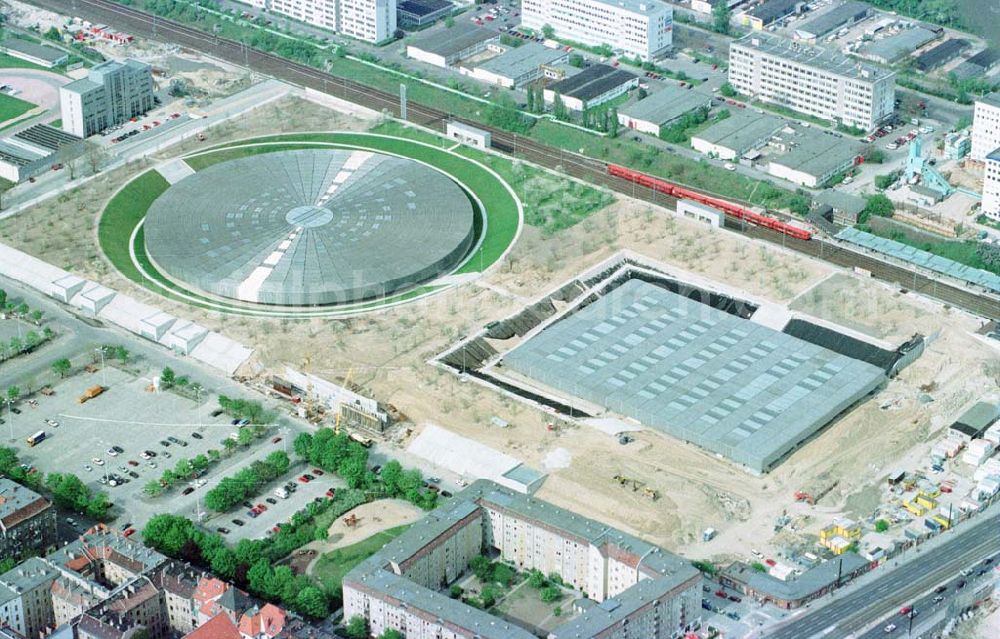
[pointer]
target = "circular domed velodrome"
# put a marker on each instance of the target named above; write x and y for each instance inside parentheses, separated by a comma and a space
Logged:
(310, 227)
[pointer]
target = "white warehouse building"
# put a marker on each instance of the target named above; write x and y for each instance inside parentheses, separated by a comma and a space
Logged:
(368, 20)
(811, 80)
(641, 28)
(991, 186)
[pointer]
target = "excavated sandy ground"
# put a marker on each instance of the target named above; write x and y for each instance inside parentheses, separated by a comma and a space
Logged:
(388, 353)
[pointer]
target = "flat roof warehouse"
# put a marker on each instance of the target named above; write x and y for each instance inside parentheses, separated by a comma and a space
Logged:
(732, 386)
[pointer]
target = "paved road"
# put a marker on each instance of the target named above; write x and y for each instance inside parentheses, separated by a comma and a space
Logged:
(852, 612)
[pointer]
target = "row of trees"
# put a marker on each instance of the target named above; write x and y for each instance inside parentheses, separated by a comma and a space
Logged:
(182, 471)
(19, 346)
(67, 490)
(249, 409)
(357, 628)
(680, 131)
(247, 482)
(246, 565)
(21, 310)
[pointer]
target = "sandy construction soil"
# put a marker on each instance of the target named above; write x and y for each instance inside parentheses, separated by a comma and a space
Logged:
(388, 353)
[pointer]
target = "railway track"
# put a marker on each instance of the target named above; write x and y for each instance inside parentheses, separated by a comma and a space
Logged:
(573, 164)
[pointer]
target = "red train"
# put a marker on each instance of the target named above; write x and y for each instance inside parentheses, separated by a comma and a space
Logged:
(728, 207)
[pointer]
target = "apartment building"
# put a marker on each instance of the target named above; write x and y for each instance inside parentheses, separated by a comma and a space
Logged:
(112, 93)
(27, 520)
(642, 28)
(991, 185)
(811, 80)
(635, 590)
(985, 127)
(368, 20)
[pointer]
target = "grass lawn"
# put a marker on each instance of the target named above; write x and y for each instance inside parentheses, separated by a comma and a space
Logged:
(122, 214)
(11, 107)
(331, 567)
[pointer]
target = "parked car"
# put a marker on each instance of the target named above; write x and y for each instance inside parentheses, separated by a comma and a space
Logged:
(238, 522)
(222, 531)
(188, 490)
(196, 435)
(133, 462)
(129, 532)
(275, 440)
(271, 500)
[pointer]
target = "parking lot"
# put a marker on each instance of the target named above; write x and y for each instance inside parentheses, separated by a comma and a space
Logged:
(132, 418)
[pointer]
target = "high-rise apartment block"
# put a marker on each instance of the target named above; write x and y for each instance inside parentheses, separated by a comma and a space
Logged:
(641, 28)
(991, 185)
(368, 20)
(111, 94)
(985, 127)
(635, 590)
(811, 80)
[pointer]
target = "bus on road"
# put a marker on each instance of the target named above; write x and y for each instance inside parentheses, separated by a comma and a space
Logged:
(36, 438)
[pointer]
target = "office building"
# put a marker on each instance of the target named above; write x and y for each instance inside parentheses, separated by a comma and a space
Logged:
(985, 127)
(991, 186)
(27, 520)
(811, 80)
(420, 13)
(634, 589)
(640, 28)
(368, 20)
(111, 94)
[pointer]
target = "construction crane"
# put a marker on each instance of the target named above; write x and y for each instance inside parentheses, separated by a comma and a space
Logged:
(340, 410)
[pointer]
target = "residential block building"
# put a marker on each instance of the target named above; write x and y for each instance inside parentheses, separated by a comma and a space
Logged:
(642, 28)
(985, 127)
(991, 185)
(635, 590)
(811, 80)
(368, 20)
(104, 586)
(112, 93)
(27, 520)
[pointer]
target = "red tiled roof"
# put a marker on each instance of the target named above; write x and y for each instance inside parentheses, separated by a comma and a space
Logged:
(218, 627)
(268, 622)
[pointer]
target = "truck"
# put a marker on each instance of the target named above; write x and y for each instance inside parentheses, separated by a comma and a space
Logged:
(281, 493)
(91, 393)
(364, 441)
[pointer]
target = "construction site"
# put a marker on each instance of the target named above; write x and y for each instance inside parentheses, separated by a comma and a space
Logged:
(659, 487)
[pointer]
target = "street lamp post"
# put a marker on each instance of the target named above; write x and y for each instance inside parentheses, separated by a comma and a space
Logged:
(104, 371)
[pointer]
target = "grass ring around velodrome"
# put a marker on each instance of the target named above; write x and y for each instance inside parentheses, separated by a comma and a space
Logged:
(499, 220)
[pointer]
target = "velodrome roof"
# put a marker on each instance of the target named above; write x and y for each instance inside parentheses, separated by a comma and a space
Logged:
(729, 385)
(921, 258)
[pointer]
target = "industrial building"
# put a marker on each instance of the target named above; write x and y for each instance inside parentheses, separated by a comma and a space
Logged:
(518, 66)
(707, 6)
(593, 86)
(991, 185)
(413, 14)
(843, 208)
(112, 93)
(941, 54)
(368, 20)
(642, 28)
(896, 47)
(662, 108)
(768, 12)
(985, 126)
(634, 589)
(27, 520)
(812, 157)
(728, 384)
(464, 40)
(811, 80)
(740, 133)
(34, 150)
(797, 591)
(40, 54)
(310, 227)
(844, 15)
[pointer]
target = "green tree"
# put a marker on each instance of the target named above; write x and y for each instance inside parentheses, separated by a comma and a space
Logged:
(152, 488)
(244, 437)
(183, 468)
(576, 60)
(98, 506)
(481, 567)
(53, 34)
(878, 205)
(758, 567)
(392, 473)
(13, 392)
(22, 309)
(3, 298)
(455, 591)
(449, 22)
(357, 627)
(303, 445)
(229, 445)
(61, 367)
(168, 533)
(8, 459)
(167, 377)
(7, 564)
(311, 602)
(549, 594)
(881, 525)
(121, 354)
(727, 90)
(721, 16)
(559, 107)
(548, 31)
(536, 579)
(36, 316)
